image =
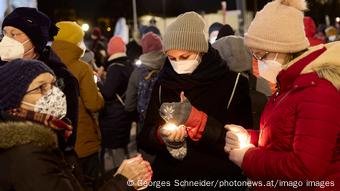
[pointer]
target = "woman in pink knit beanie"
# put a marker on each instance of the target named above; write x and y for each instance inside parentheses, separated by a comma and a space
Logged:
(298, 144)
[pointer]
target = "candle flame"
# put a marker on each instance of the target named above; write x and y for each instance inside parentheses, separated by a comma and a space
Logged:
(170, 127)
(243, 139)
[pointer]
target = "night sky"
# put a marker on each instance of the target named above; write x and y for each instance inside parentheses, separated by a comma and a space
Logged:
(119, 8)
(113, 9)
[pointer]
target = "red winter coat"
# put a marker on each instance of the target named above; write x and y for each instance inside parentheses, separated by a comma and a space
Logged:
(300, 126)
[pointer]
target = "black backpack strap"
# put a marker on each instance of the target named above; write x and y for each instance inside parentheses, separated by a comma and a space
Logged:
(120, 98)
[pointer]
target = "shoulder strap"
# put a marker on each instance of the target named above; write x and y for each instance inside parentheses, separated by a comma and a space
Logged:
(120, 99)
(160, 94)
(150, 74)
(233, 92)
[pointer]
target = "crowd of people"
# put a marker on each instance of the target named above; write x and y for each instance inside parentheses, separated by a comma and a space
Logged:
(208, 105)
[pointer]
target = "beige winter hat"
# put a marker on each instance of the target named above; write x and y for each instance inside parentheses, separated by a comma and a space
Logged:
(187, 32)
(279, 27)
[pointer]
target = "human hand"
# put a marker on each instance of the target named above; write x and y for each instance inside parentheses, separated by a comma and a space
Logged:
(171, 133)
(100, 71)
(236, 137)
(137, 171)
(237, 155)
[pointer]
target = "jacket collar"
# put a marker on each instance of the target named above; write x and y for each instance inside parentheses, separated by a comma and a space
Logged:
(117, 55)
(327, 65)
(19, 133)
(287, 78)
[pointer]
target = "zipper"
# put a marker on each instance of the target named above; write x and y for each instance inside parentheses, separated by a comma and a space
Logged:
(275, 107)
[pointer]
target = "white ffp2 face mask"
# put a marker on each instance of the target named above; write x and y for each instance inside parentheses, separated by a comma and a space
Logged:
(269, 69)
(185, 66)
(11, 49)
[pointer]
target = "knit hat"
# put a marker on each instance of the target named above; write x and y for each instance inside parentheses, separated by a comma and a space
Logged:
(35, 24)
(186, 33)
(279, 27)
(234, 52)
(15, 78)
(116, 45)
(151, 42)
(214, 27)
(70, 32)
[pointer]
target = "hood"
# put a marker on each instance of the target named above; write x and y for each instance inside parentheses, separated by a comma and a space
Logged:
(310, 28)
(153, 60)
(234, 52)
(327, 65)
(20, 133)
(67, 52)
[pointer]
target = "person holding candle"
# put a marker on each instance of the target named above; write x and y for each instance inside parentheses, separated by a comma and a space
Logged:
(300, 126)
(196, 93)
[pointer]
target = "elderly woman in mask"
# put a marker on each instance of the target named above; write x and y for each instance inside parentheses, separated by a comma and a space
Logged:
(300, 127)
(32, 111)
(26, 32)
(198, 94)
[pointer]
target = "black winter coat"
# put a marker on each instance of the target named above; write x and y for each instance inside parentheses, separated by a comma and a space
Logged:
(114, 121)
(30, 160)
(68, 84)
(208, 89)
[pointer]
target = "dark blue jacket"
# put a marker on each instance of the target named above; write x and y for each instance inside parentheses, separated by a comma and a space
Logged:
(114, 121)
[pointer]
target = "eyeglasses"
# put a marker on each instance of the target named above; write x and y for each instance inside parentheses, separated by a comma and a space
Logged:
(42, 89)
(259, 57)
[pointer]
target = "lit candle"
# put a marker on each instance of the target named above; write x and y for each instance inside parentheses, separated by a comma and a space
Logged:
(170, 127)
(243, 139)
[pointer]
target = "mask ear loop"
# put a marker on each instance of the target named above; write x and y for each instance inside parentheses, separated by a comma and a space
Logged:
(276, 56)
(28, 104)
(198, 56)
(29, 49)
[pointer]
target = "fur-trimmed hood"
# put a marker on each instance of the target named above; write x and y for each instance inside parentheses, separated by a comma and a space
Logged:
(327, 65)
(20, 133)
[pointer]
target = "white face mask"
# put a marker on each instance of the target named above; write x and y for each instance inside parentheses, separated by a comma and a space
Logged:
(332, 38)
(185, 66)
(11, 49)
(52, 103)
(269, 69)
(82, 46)
(213, 37)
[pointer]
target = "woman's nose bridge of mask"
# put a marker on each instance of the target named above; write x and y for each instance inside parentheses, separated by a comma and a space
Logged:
(182, 57)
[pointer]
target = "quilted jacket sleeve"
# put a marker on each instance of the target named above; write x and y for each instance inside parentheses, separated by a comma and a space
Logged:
(316, 131)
